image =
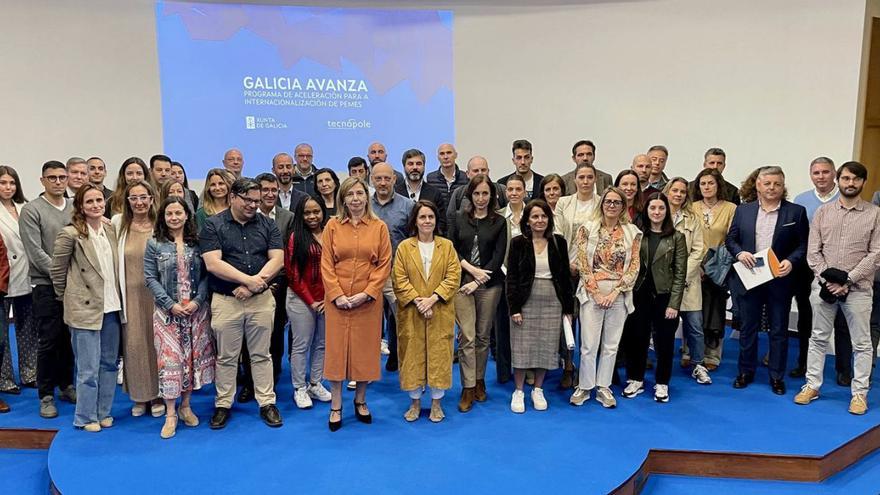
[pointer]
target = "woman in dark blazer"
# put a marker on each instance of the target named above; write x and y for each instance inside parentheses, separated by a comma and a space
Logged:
(658, 292)
(539, 293)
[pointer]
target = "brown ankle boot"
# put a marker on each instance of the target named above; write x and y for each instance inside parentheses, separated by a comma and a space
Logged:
(467, 399)
(480, 391)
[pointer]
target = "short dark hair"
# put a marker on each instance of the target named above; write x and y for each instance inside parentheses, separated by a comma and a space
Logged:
(411, 153)
(854, 168)
(547, 180)
(521, 144)
(524, 219)
(644, 222)
(244, 185)
(158, 158)
(52, 165)
(357, 161)
(411, 225)
(162, 233)
(714, 151)
(659, 147)
(516, 177)
(95, 158)
(581, 143)
(265, 177)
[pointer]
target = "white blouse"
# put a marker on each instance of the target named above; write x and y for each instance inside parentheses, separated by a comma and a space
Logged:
(426, 250)
(542, 265)
(19, 279)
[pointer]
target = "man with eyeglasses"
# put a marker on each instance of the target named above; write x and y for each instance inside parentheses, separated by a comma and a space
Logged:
(39, 223)
(243, 252)
(97, 173)
(522, 161)
(393, 209)
(233, 161)
(305, 168)
(414, 186)
(77, 175)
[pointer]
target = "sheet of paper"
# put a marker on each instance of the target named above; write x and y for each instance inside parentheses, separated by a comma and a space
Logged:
(766, 269)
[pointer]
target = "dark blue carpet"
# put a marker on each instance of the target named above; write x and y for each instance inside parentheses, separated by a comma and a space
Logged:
(489, 449)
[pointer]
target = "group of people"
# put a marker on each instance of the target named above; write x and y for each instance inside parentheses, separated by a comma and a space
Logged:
(174, 290)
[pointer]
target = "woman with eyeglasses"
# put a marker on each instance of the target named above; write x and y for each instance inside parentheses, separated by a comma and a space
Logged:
(657, 298)
(134, 227)
(133, 170)
(691, 311)
(716, 214)
(608, 264)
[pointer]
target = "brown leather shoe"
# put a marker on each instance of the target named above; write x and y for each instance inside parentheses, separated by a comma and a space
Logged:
(710, 366)
(4, 407)
(467, 400)
(480, 392)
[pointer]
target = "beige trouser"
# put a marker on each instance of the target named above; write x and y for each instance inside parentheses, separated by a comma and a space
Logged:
(474, 315)
(231, 319)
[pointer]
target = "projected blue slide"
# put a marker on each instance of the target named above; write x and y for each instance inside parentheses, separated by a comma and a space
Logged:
(266, 78)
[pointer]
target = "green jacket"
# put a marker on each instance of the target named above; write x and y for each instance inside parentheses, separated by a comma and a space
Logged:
(669, 267)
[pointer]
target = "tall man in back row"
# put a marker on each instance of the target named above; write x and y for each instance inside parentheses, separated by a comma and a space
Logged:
(843, 252)
(243, 252)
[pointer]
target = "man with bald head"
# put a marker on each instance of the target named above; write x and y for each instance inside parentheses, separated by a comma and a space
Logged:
(393, 209)
(448, 177)
(477, 165)
(288, 196)
(233, 161)
(641, 165)
(376, 153)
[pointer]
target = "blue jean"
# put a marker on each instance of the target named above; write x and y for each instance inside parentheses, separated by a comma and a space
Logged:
(692, 333)
(95, 353)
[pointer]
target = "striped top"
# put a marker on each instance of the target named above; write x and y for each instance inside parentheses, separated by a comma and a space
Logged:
(847, 239)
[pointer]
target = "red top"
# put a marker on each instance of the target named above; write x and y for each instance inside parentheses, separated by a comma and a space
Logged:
(309, 287)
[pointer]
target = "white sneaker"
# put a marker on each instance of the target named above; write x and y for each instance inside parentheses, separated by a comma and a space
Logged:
(517, 402)
(318, 392)
(606, 397)
(301, 397)
(538, 400)
(701, 375)
(579, 397)
(119, 378)
(633, 388)
(661, 393)
(383, 348)
(351, 385)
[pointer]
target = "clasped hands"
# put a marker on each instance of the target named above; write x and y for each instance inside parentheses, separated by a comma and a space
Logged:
(425, 305)
(351, 302)
(255, 285)
(184, 310)
(480, 277)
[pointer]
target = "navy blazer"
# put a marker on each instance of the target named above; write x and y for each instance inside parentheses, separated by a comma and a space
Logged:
(789, 241)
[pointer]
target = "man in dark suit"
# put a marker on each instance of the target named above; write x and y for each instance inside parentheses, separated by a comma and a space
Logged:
(522, 160)
(283, 218)
(415, 188)
(769, 222)
(584, 151)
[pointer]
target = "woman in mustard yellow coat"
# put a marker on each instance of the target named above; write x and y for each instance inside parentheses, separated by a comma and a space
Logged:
(426, 276)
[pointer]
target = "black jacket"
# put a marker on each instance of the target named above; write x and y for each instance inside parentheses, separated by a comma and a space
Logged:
(521, 272)
(428, 193)
(491, 241)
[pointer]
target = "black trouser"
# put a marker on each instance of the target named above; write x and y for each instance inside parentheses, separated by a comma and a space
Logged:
(875, 321)
(502, 340)
(54, 351)
(390, 330)
(276, 342)
(649, 318)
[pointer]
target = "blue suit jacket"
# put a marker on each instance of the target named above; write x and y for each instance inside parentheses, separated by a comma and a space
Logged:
(789, 241)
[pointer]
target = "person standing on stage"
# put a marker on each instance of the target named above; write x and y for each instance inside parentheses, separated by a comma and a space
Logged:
(843, 252)
(243, 252)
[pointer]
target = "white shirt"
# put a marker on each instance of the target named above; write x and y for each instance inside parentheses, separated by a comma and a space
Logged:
(828, 197)
(105, 260)
(426, 250)
(542, 265)
(765, 225)
(414, 194)
(59, 208)
(284, 198)
(271, 213)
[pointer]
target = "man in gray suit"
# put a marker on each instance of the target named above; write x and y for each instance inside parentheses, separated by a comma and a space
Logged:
(584, 151)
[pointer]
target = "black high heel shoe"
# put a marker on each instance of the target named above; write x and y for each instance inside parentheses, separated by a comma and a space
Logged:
(335, 425)
(363, 418)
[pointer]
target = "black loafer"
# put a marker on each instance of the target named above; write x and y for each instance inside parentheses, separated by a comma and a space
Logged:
(798, 372)
(742, 381)
(778, 386)
(220, 418)
(246, 395)
(391, 364)
(271, 416)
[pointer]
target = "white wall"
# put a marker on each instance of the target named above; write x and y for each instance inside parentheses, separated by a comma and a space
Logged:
(770, 82)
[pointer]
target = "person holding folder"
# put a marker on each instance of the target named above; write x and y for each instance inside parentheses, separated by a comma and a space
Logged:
(770, 222)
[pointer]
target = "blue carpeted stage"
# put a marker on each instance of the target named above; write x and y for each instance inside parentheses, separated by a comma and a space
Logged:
(488, 450)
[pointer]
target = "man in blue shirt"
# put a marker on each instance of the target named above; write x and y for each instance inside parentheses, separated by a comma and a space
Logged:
(394, 209)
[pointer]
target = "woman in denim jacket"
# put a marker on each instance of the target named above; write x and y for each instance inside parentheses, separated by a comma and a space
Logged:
(176, 275)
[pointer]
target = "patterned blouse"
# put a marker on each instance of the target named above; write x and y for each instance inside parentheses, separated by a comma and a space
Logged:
(609, 260)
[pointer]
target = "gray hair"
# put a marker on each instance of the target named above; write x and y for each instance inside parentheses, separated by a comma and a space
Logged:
(770, 170)
(822, 159)
(74, 160)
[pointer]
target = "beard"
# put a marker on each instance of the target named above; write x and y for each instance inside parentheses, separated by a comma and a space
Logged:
(851, 192)
(415, 176)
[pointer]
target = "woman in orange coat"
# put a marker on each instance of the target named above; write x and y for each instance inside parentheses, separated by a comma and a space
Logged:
(355, 263)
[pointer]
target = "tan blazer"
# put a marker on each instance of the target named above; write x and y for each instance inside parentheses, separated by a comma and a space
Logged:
(76, 275)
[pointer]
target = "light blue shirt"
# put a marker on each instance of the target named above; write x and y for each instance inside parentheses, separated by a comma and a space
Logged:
(811, 201)
(395, 214)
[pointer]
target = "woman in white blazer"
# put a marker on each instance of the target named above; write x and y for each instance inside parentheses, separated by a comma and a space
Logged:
(18, 296)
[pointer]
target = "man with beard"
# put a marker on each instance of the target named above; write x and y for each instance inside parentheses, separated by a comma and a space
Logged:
(843, 252)
(584, 151)
(415, 188)
(393, 209)
(288, 196)
(522, 160)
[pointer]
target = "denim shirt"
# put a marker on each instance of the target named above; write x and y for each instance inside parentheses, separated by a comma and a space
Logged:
(160, 272)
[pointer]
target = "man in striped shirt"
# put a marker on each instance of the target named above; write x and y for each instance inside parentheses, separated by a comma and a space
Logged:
(844, 236)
